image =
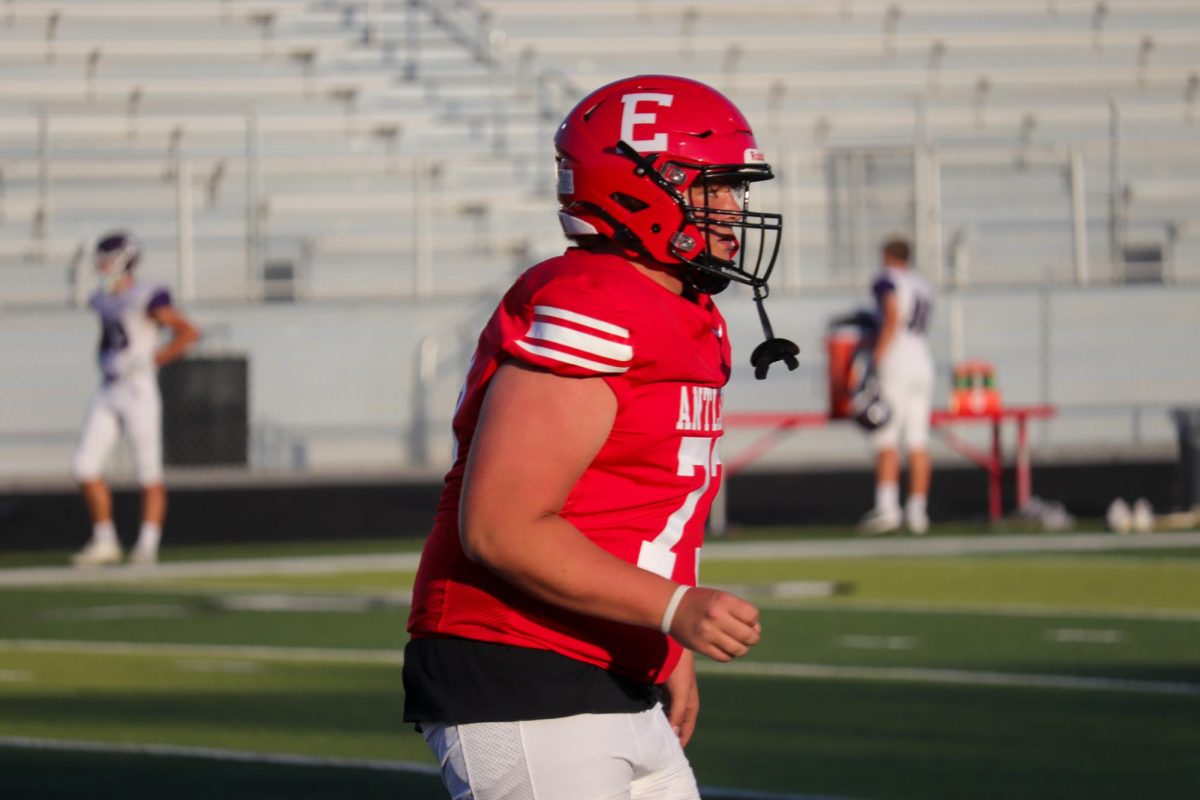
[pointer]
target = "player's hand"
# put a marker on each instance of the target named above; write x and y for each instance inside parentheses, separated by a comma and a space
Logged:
(681, 698)
(716, 624)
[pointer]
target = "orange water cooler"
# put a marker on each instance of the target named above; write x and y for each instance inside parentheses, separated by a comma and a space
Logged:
(974, 390)
(840, 346)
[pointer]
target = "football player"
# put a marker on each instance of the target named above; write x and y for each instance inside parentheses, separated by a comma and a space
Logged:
(131, 313)
(901, 354)
(556, 609)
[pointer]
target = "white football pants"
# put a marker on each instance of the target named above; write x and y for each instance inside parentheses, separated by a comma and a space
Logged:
(135, 405)
(906, 381)
(583, 757)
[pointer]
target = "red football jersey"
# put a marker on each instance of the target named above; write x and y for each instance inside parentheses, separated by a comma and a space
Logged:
(644, 498)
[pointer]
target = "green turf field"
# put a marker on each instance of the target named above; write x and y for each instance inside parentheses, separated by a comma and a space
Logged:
(1025, 674)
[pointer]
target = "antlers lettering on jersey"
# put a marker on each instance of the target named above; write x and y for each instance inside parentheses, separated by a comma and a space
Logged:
(699, 409)
(568, 337)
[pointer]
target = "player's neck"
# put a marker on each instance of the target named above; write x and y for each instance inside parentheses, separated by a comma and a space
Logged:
(665, 276)
(122, 285)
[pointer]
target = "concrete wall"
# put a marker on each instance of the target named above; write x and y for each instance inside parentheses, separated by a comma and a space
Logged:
(333, 385)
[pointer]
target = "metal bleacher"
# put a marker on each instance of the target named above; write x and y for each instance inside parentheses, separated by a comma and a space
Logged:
(306, 124)
(277, 155)
(297, 127)
(998, 90)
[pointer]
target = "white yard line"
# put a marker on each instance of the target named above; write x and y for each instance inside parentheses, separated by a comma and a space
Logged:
(343, 603)
(1014, 610)
(1085, 636)
(738, 668)
(303, 565)
(714, 551)
(863, 642)
(948, 677)
(217, 754)
(946, 545)
(218, 666)
(207, 651)
(106, 613)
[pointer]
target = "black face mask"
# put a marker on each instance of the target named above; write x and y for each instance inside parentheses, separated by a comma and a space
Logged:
(705, 282)
(708, 274)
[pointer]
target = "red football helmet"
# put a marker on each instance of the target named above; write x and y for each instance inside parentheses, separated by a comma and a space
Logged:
(627, 156)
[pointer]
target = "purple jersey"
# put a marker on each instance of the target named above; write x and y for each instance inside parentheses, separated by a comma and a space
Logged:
(128, 334)
(914, 299)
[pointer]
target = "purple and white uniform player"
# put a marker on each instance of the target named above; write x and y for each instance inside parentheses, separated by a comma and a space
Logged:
(128, 395)
(906, 365)
(131, 315)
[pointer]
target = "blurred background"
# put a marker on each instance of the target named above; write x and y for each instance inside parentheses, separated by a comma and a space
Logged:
(338, 191)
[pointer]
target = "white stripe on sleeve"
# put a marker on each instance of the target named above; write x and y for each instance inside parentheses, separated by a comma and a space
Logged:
(578, 340)
(581, 319)
(570, 358)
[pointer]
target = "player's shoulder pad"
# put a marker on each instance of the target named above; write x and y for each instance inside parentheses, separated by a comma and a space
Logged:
(884, 284)
(572, 316)
(157, 297)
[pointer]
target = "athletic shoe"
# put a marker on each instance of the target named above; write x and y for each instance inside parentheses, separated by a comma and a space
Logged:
(916, 520)
(98, 553)
(143, 556)
(1143, 516)
(1119, 517)
(879, 521)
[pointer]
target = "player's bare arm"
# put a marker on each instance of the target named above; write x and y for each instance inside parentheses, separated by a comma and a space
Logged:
(887, 327)
(183, 334)
(537, 434)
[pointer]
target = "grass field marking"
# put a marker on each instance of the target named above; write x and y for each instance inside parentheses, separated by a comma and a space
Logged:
(106, 613)
(739, 669)
(946, 676)
(207, 651)
(342, 603)
(218, 754)
(945, 545)
(785, 590)
(293, 760)
(298, 565)
(863, 642)
(714, 551)
(1085, 636)
(15, 676)
(225, 666)
(1015, 610)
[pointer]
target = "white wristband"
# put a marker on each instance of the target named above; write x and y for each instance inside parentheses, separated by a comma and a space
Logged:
(669, 614)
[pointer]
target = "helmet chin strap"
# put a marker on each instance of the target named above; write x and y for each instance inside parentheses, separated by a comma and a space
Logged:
(774, 348)
(705, 282)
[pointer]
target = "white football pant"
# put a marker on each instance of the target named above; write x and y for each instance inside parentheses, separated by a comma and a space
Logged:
(582, 757)
(906, 381)
(133, 404)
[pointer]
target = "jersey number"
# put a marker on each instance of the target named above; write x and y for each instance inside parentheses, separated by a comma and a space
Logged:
(919, 320)
(113, 336)
(658, 555)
